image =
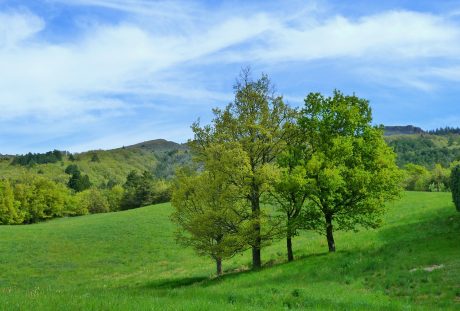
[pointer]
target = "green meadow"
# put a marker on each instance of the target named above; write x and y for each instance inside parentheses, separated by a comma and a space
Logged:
(130, 261)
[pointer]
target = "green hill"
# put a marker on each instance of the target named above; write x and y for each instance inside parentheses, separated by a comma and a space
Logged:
(104, 166)
(130, 261)
(425, 149)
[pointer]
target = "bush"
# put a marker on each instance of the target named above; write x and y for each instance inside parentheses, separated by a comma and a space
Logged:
(455, 186)
(40, 198)
(93, 201)
(9, 207)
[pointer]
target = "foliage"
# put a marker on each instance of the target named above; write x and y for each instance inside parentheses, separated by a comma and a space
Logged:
(208, 209)
(290, 187)
(143, 189)
(40, 198)
(95, 158)
(351, 172)
(440, 178)
(455, 186)
(77, 181)
(445, 130)
(426, 150)
(417, 177)
(9, 207)
(37, 158)
(168, 161)
(113, 167)
(255, 120)
(114, 196)
(92, 201)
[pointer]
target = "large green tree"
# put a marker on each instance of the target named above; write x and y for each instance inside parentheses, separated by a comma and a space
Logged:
(256, 121)
(351, 172)
(208, 207)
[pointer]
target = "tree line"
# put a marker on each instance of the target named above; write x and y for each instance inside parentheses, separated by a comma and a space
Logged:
(419, 178)
(445, 130)
(32, 198)
(263, 171)
(30, 159)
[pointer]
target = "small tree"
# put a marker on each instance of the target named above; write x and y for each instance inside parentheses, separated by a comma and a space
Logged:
(79, 182)
(95, 158)
(210, 211)
(350, 170)
(455, 186)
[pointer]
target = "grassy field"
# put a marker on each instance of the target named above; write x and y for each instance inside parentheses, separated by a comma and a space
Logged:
(129, 261)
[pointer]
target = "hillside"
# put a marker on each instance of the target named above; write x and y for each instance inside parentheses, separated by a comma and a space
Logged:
(104, 166)
(402, 130)
(130, 261)
(425, 149)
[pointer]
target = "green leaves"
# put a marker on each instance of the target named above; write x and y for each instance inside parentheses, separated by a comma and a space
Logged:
(455, 185)
(350, 170)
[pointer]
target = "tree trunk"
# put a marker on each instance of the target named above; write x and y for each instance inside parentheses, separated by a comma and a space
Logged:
(255, 206)
(329, 233)
(219, 266)
(289, 248)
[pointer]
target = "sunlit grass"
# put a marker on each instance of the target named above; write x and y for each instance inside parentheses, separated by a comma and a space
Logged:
(130, 261)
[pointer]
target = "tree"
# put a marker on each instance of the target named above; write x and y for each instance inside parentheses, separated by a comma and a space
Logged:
(95, 158)
(289, 192)
(350, 170)
(77, 181)
(40, 198)
(255, 120)
(93, 201)
(439, 178)
(72, 169)
(138, 190)
(416, 177)
(455, 186)
(9, 212)
(114, 196)
(208, 208)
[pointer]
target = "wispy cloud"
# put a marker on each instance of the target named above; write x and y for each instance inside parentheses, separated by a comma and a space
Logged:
(153, 52)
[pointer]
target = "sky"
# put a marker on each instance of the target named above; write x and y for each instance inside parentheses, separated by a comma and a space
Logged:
(79, 75)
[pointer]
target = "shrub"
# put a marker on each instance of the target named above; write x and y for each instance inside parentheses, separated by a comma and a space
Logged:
(93, 201)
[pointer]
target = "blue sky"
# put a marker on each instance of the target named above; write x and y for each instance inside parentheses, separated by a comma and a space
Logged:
(89, 74)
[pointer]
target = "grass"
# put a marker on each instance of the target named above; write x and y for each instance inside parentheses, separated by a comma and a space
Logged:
(129, 261)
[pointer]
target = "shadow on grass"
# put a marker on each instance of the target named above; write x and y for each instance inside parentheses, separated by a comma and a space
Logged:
(175, 283)
(383, 268)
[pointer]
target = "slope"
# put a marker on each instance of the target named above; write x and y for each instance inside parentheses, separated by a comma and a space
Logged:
(129, 261)
(107, 166)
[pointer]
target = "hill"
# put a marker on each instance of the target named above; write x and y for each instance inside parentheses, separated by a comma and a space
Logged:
(158, 145)
(425, 149)
(404, 130)
(106, 166)
(130, 261)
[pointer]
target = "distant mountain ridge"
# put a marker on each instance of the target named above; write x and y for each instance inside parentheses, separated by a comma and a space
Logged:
(158, 145)
(402, 130)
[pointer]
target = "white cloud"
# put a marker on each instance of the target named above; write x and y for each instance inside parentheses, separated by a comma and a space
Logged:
(147, 57)
(389, 35)
(15, 27)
